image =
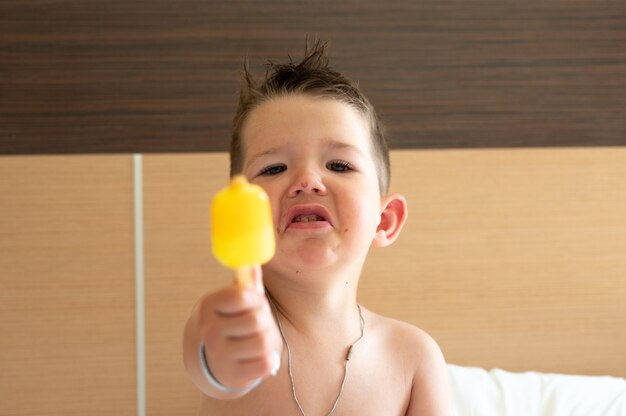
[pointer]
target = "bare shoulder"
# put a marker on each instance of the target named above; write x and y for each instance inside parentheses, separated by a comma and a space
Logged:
(423, 364)
(404, 338)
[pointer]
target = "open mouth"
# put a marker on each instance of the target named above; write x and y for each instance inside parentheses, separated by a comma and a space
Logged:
(308, 218)
(309, 214)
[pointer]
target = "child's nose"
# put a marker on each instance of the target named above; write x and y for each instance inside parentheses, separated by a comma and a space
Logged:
(307, 183)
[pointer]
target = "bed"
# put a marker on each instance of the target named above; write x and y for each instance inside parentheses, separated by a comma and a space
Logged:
(497, 392)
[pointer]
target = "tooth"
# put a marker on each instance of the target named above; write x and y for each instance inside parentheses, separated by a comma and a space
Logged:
(308, 218)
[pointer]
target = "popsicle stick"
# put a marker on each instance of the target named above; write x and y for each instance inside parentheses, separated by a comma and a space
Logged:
(244, 277)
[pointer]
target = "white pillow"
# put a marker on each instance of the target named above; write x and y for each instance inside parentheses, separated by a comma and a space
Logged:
(478, 392)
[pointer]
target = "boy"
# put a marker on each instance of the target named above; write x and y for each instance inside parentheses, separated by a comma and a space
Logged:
(311, 139)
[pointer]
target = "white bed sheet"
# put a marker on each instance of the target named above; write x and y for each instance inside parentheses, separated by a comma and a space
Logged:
(478, 392)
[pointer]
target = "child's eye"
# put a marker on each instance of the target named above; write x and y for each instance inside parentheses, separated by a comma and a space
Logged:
(339, 166)
(273, 169)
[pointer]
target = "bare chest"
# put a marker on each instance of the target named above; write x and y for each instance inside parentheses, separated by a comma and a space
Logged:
(368, 390)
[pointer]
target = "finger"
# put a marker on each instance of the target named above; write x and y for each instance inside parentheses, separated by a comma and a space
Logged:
(249, 348)
(234, 301)
(263, 366)
(242, 373)
(247, 324)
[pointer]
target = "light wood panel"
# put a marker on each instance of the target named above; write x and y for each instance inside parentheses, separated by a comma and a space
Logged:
(179, 267)
(510, 258)
(66, 286)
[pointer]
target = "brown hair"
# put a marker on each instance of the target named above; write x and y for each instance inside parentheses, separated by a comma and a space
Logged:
(310, 76)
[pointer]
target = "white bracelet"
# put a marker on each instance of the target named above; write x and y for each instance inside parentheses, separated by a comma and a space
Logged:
(217, 384)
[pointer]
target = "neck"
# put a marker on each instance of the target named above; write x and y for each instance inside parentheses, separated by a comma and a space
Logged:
(314, 311)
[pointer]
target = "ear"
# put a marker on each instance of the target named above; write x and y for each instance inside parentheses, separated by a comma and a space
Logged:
(392, 219)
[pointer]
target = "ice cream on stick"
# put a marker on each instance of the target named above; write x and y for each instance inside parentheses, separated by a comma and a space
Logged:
(242, 230)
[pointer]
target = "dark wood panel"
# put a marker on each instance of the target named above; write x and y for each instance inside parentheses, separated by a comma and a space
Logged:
(161, 75)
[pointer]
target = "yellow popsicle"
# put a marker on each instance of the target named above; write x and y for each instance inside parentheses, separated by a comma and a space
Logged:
(241, 227)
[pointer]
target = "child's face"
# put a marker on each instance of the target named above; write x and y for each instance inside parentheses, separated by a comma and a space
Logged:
(313, 157)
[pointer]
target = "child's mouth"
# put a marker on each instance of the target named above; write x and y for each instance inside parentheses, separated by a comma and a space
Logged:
(307, 217)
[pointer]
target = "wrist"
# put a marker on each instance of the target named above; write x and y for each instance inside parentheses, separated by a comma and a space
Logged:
(219, 386)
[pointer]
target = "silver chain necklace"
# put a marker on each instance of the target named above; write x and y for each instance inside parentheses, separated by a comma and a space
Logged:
(345, 365)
